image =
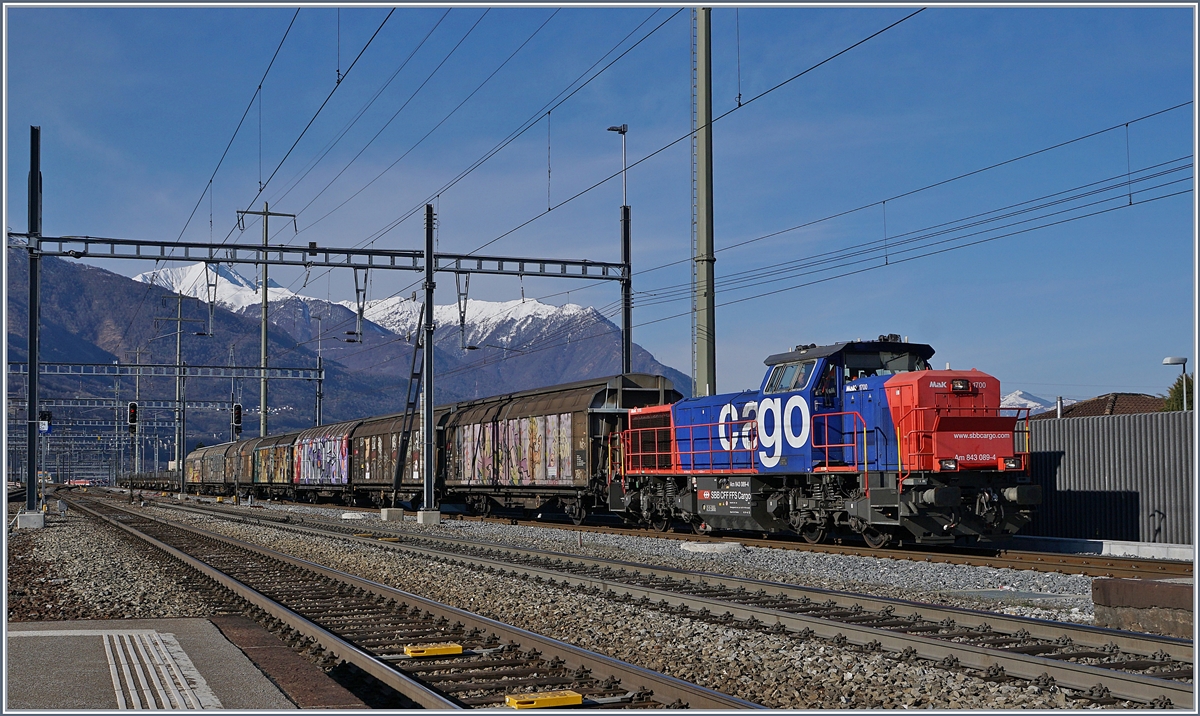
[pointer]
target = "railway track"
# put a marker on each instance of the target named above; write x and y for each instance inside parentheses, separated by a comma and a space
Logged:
(1101, 665)
(434, 655)
(1086, 564)
(1089, 565)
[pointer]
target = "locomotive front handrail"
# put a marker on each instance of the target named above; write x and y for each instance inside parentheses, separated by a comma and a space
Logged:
(644, 453)
(924, 435)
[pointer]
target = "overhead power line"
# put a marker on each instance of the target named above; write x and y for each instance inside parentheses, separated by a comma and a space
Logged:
(1117, 186)
(208, 186)
(418, 143)
(254, 96)
(525, 126)
(929, 253)
(716, 119)
(853, 266)
(892, 239)
(570, 90)
(320, 156)
(314, 118)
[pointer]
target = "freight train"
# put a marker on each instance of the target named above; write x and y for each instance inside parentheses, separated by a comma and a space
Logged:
(858, 438)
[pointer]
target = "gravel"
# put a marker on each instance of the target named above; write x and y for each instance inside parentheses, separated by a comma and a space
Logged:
(777, 671)
(1044, 595)
(76, 568)
(786, 672)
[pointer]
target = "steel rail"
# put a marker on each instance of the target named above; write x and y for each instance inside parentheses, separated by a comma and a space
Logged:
(1082, 677)
(417, 692)
(1085, 564)
(665, 688)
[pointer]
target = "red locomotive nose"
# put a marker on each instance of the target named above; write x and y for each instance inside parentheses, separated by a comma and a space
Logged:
(950, 420)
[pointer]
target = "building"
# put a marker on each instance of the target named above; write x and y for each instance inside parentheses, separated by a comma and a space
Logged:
(1109, 404)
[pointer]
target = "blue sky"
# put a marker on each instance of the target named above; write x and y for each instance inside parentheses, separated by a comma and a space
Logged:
(137, 105)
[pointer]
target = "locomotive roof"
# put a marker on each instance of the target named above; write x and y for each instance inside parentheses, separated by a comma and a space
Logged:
(805, 353)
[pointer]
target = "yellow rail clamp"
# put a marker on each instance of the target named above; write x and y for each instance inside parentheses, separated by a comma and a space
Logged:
(544, 699)
(364, 534)
(433, 649)
(220, 499)
(389, 539)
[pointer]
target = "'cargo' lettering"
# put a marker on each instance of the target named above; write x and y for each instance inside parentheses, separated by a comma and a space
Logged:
(769, 408)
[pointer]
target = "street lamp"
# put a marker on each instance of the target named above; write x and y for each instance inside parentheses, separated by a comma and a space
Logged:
(626, 258)
(1174, 360)
(1182, 363)
(621, 130)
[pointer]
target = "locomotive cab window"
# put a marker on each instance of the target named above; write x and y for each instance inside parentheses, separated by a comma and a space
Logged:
(827, 387)
(866, 365)
(790, 376)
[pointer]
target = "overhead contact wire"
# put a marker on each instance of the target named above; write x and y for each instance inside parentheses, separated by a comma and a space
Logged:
(314, 117)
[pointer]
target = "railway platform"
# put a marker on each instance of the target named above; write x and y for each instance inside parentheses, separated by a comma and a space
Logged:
(224, 662)
(1161, 606)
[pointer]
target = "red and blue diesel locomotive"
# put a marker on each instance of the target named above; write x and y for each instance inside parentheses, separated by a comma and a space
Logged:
(858, 438)
(853, 438)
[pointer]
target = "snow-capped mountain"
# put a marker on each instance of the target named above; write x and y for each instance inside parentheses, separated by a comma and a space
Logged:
(233, 291)
(501, 324)
(502, 346)
(1036, 404)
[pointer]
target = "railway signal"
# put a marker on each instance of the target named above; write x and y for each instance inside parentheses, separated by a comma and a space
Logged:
(237, 418)
(132, 418)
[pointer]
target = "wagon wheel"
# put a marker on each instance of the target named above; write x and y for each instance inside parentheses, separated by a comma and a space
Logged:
(875, 538)
(661, 522)
(579, 515)
(813, 532)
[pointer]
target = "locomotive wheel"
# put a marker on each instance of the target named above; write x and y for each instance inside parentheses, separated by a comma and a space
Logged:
(875, 538)
(661, 522)
(813, 533)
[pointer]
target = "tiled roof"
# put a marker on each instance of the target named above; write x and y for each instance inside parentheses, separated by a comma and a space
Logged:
(1110, 404)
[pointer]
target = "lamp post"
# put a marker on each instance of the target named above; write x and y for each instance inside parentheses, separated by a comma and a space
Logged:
(627, 282)
(1182, 363)
(621, 130)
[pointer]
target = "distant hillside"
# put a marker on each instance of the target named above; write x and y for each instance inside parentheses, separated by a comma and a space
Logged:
(501, 346)
(91, 315)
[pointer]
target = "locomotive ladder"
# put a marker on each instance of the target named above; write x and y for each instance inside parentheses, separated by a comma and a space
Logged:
(412, 406)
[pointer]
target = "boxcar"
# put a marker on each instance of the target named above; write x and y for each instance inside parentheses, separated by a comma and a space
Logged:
(375, 456)
(242, 458)
(322, 459)
(273, 461)
(545, 449)
(204, 465)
